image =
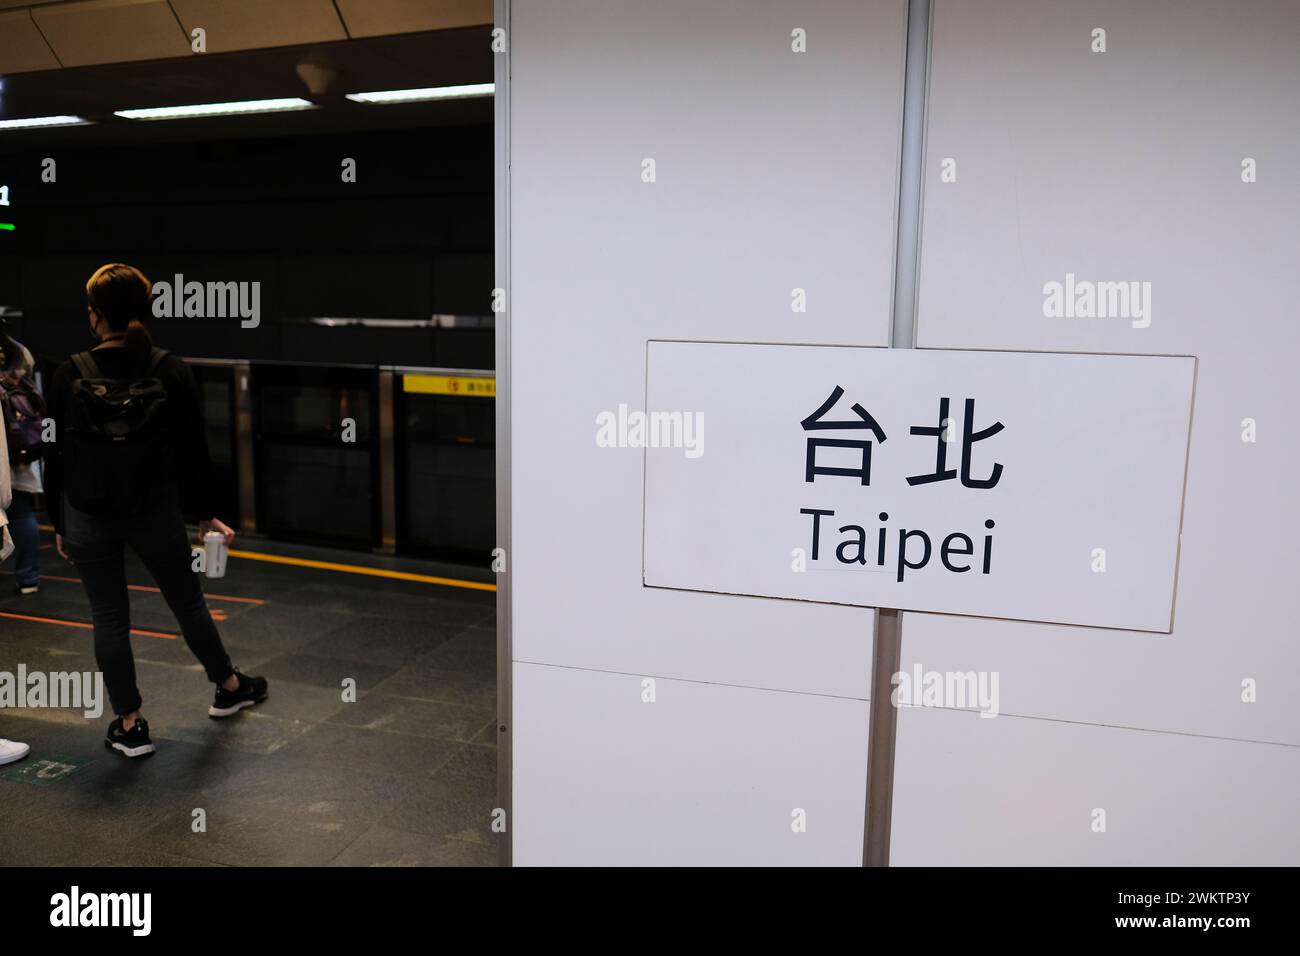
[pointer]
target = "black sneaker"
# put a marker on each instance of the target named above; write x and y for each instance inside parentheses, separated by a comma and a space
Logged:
(252, 690)
(131, 743)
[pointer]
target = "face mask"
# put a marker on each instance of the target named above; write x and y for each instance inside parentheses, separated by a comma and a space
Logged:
(99, 330)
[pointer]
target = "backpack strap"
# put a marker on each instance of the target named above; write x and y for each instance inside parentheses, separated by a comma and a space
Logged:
(85, 363)
(156, 358)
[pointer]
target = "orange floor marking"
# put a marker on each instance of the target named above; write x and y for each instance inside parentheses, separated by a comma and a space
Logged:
(152, 590)
(81, 624)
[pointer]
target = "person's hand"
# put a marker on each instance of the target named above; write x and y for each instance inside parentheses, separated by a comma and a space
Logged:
(216, 524)
(58, 546)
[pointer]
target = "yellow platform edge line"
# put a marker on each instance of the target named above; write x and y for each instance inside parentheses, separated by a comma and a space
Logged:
(357, 569)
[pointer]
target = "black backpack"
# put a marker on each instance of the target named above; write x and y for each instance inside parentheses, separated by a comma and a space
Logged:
(22, 411)
(117, 440)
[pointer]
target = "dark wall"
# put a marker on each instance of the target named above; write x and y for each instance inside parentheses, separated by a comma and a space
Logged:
(411, 238)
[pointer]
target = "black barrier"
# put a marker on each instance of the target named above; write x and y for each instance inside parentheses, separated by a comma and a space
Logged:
(446, 484)
(315, 434)
(217, 393)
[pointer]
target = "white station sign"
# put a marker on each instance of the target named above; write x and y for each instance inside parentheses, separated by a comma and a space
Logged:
(1025, 485)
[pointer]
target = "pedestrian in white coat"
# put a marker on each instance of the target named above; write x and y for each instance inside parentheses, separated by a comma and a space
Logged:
(10, 750)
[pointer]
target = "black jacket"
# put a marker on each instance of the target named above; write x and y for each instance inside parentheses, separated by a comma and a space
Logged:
(191, 466)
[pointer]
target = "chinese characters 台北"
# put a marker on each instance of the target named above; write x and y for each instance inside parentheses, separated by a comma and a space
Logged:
(852, 549)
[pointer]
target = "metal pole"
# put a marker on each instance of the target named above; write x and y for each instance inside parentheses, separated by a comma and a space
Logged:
(887, 649)
(387, 464)
(505, 779)
(244, 450)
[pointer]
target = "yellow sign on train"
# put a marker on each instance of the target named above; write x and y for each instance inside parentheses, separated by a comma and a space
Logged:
(470, 386)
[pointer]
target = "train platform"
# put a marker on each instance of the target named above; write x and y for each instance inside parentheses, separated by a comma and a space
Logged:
(404, 774)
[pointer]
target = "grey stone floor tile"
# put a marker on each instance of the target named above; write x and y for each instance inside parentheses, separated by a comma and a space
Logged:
(388, 603)
(488, 736)
(22, 635)
(459, 808)
(248, 833)
(135, 856)
(61, 601)
(384, 846)
(474, 650)
(421, 718)
(366, 751)
(423, 681)
(341, 793)
(197, 769)
(297, 667)
(179, 685)
(380, 641)
(475, 764)
(174, 654)
(306, 702)
(248, 731)
(106, 798)
(111, 816)
(281, 628)
(29, 726)
(63, 716)
(248, 578)
(51, 656)
(29, 845)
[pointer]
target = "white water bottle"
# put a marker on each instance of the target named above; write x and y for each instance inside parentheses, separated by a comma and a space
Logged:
(214, 554)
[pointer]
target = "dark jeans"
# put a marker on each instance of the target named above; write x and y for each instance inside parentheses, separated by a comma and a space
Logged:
(97, 546)
(27, 539)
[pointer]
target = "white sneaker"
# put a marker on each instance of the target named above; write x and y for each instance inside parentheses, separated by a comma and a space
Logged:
(11, 751)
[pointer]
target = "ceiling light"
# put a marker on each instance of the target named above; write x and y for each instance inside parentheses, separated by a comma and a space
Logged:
(35, 121)
(217, 109)
(430, 93)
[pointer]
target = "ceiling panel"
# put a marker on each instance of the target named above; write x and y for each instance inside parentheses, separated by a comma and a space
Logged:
(369, 18)
(111, 31)
(22, 48)
(249, 24)
(441, 58)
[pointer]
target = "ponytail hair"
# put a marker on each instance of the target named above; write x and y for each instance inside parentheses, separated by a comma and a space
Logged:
(138, 340)
(123, 297)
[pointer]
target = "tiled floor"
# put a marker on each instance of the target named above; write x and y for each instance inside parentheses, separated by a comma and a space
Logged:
(405, 775)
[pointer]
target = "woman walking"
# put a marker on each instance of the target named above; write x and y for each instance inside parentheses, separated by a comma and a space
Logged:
(130, 453)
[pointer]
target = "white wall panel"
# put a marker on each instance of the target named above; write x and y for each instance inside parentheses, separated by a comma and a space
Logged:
(705, 775)
(1010, 791)
(775, 170)
(1126, 165)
